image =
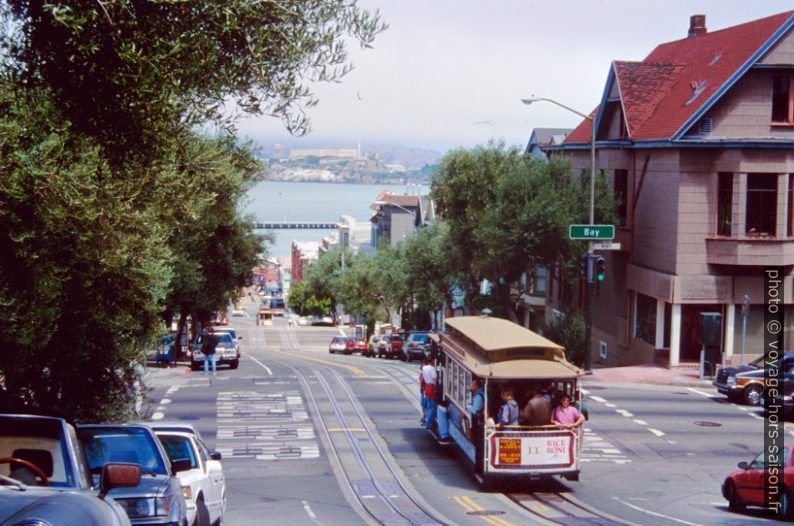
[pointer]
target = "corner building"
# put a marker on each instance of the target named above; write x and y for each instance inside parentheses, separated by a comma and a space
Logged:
(698, 142)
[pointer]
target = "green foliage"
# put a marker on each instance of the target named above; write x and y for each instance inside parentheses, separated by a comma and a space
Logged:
(569, 330)
(305, 304)
(82, 268)
(131, 72)
(114, 211)
(509, 213)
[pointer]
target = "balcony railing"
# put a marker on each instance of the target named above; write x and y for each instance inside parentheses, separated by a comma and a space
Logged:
(750, 251)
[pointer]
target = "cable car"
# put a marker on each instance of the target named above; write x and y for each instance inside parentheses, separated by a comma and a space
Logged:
(503, 355)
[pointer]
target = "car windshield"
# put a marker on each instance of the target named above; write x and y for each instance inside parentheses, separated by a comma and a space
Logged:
(39, 443)
(121, 444)
(230, 332)
(179, 447)
(398, 337)
(223, 339)
(419, 337)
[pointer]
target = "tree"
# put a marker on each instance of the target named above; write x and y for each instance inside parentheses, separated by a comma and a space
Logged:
(82, 271)
(429, 277)
(134, 73)
(508, 213)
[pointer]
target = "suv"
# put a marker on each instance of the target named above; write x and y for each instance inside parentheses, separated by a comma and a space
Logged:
(746, 382)
(225, 351)
(233, 332)
(416, 346)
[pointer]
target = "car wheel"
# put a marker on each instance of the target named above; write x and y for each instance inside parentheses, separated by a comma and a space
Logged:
(752, 395)
(202, 514)
(234, 364)
(195, 367)
(730, 494)
(786, 511)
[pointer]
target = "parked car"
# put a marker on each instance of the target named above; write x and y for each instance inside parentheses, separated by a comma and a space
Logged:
(362, 347)
(233, 333)
(342, 344)
(383, 345)
(204, 484)
(751, 384)
(372, 346)
(746, 389)
(786, 397)
(745, 487)
(325, 321)
(417, 346)
(45, 473)
(225, 352)
(395, 344)
(158, 499)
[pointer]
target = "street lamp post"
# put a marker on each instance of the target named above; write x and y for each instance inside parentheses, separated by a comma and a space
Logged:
(591, 118)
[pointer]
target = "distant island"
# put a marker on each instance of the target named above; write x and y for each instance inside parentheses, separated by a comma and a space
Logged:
(383, 164)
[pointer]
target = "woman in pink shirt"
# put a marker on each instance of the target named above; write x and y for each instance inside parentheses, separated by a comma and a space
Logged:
(566, 416)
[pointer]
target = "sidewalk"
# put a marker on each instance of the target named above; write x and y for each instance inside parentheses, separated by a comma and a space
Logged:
(646, 374)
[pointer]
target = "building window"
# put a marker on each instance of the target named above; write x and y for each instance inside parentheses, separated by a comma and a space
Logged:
(540, 281)
(782, 100)
(790, 205)
(724, 204)
(761, 205)
(645, 318)
(621, 189)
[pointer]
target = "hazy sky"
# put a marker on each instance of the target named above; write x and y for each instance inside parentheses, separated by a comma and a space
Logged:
(451, 73)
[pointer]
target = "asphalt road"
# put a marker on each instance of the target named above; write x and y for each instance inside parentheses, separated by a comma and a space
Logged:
(313, 438)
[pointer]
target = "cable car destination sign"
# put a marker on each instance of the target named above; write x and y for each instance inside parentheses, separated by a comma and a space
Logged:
(591, 231)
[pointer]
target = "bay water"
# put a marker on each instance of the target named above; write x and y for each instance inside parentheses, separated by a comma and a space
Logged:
(272, 201)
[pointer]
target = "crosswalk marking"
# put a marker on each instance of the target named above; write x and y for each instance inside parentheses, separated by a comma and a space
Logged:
(596, 449)
(264, 426)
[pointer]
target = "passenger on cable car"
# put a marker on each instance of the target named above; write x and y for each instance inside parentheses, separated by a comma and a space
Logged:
(508, 413)
(566, 416)
(537, 412)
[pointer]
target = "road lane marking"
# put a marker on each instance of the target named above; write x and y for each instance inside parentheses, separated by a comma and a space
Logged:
(598, 399)
(265, 367)
(701, 393)
(655, 514)
(656, 432)
(352, 369)
(158, 416)
(640, 422)
(624, 413)
(165, 401)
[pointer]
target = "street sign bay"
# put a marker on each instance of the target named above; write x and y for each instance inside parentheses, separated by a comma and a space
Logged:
(591, 231)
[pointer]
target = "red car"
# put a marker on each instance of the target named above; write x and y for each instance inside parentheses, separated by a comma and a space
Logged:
(362, 346)
(745, 487)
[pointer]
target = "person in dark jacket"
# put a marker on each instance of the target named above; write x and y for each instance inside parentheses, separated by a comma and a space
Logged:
(208, 345)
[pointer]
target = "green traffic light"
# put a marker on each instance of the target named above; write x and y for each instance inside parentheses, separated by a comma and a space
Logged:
(601, 277)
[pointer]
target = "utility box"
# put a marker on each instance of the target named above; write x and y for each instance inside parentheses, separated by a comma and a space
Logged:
(710, 337)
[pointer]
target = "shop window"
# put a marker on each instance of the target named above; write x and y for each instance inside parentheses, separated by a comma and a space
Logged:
(783, 100)
(645, 318)
(621, 190)
(761, 205)
(724, 204)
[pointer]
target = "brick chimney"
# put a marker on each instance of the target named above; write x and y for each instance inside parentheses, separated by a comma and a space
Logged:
(697, 25)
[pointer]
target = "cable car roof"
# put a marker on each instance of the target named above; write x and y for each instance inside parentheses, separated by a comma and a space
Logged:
(498, 348)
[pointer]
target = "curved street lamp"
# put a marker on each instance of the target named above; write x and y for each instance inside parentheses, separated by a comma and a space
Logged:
(591, 118)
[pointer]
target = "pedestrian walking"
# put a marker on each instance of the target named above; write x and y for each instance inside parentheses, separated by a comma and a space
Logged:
(208, 345)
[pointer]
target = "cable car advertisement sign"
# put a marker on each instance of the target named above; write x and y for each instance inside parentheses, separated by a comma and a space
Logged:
(533, 450)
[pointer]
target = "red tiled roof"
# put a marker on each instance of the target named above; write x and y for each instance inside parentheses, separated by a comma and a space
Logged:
(661, 93)
(387, 197)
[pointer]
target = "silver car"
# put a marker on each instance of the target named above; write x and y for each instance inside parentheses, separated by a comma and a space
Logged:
(158, 499)
(225, 351)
